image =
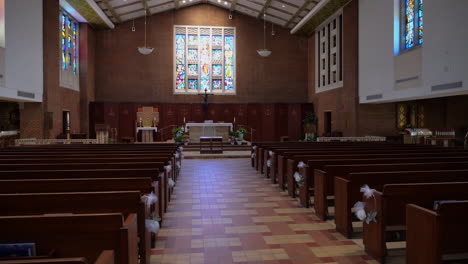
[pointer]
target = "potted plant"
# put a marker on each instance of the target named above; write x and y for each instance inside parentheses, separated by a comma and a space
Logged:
(177, 134)
(232, 137)
(239, 141)
(241, 132)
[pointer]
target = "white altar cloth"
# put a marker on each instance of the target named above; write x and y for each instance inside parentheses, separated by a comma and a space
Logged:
(188, 125)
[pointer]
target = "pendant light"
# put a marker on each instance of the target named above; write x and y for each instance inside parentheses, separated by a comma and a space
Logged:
(264, 52)
(145, 50)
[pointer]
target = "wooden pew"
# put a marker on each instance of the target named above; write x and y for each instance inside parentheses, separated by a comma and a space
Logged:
(317, 162)
(85, 235)
(312, 164)
(86, 165)
(432, 233)
(51, 171)
(324, 179)
(325, 146)
(390, 205)
(282, 156)
(347, 190)
(106, 257)
(122, 202)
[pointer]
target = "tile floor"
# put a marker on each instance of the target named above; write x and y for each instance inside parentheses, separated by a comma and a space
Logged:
(224, 212)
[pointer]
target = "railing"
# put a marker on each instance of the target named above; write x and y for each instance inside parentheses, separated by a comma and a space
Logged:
(352, 139)
(166, 132)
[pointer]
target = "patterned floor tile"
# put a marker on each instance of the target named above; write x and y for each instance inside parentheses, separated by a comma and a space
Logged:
(223, 212)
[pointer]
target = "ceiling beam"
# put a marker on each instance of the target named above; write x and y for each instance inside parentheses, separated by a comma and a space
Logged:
(111, 10)
(281, 10)
(233, 5)
(149, 7)
(303, 7)
(248, 7)
(145, 6)
(288, 3)
(264, 8)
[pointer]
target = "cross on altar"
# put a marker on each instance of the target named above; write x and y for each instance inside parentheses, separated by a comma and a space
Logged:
(205, 96)
(205, 102)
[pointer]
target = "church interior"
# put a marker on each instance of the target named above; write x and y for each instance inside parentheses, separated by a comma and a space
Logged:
(233, 131)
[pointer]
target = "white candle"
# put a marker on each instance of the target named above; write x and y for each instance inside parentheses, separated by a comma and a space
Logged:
(184, 119)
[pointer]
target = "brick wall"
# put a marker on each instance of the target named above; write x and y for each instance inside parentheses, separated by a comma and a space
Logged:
(57, 99)
(124, 75)
(87, 73)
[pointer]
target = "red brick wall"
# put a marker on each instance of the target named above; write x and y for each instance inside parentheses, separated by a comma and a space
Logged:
(124, 75)
(348, 116)
(57, 99)
(87, 73)
(342, 102)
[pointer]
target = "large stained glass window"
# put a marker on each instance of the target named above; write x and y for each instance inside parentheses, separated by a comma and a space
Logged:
(413, 23)
(204, 59)
(69, 51)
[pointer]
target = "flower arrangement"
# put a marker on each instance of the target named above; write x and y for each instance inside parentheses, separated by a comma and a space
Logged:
(241, 132)
(185, 139)
(360, 207)
(232, 137)
(177, 134)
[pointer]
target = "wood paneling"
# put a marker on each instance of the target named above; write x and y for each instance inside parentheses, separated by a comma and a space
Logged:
(270, 121)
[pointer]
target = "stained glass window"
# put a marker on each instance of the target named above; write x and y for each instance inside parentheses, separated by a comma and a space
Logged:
(413, 23)
(69, 38)
(204, 59)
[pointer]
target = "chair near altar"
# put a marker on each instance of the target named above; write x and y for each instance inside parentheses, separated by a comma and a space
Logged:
(146, 123)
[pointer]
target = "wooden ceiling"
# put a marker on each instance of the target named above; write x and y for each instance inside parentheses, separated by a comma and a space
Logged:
(286, 13)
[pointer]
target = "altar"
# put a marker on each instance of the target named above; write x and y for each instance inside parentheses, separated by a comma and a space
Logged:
(197, 130)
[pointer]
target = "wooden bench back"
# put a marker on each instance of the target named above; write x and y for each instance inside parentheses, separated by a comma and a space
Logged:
(124, 202)
(75, 235)
(144, 185)
(79, 173)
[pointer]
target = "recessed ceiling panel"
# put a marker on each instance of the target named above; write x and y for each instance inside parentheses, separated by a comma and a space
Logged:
(130, 8)
(296, 2)
(277, 13)
(284, 7)
(250, 4)
(132, 15)
(246, 11)
(162, 8)
(115, 3)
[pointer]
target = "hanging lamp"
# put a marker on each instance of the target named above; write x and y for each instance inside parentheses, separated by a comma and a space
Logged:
(264, 52)
(145, 50)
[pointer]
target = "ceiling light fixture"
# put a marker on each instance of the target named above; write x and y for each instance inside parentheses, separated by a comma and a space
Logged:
(145, 50)
(264, 52)
(225, 2)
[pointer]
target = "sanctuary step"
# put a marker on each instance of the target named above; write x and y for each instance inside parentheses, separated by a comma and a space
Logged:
(226, 147)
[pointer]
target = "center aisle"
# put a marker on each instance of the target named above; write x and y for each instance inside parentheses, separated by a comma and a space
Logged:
(224, 212)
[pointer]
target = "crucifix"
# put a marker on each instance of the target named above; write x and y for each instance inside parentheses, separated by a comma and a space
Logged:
(205, 96)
